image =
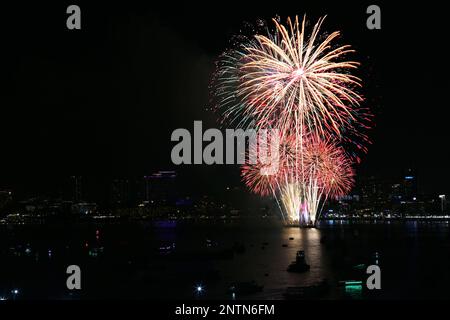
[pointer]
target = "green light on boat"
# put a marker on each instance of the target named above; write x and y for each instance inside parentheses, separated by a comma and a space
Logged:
(353, 283)
(353, 288)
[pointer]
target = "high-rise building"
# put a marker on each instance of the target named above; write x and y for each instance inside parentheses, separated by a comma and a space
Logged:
(396, 192)
(5, 198)
(120, 192)
(409, 184)
(76, 188)
(159, 186)
(371, 188)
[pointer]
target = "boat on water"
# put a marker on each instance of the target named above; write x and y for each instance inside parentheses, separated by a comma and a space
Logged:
(346, 283)
(166, 248)
(210, 251)
(375, 259)
(299, 265)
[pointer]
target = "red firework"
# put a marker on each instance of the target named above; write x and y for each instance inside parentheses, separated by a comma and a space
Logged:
(328, 163)
(265, 177)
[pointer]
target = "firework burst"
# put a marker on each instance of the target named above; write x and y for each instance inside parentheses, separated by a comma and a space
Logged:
(290, 80)
(299, 82)
(327, 163)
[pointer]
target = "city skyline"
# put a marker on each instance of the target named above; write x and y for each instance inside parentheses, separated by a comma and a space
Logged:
(372, 195)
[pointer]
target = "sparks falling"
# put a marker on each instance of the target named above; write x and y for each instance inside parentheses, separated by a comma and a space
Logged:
(299, 82)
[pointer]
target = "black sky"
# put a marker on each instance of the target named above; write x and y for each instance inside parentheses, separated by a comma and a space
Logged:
(102, 101)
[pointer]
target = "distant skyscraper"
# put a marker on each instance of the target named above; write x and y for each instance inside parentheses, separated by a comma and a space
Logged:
(5, 198)
(120, 192)
(396, 191)
(371, 188)
(76, 185)
(159, 186)
(409, 184)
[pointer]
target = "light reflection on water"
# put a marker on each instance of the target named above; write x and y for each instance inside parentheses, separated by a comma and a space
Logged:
(414, 258)
(266, 260)
(267, 264)
(406, 249)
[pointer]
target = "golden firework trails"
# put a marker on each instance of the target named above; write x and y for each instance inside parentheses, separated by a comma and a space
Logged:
(298, 82)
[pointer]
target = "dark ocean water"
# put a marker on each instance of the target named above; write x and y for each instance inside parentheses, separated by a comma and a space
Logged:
(126, 262)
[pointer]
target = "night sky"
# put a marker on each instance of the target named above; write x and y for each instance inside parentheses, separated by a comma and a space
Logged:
(102, 101)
